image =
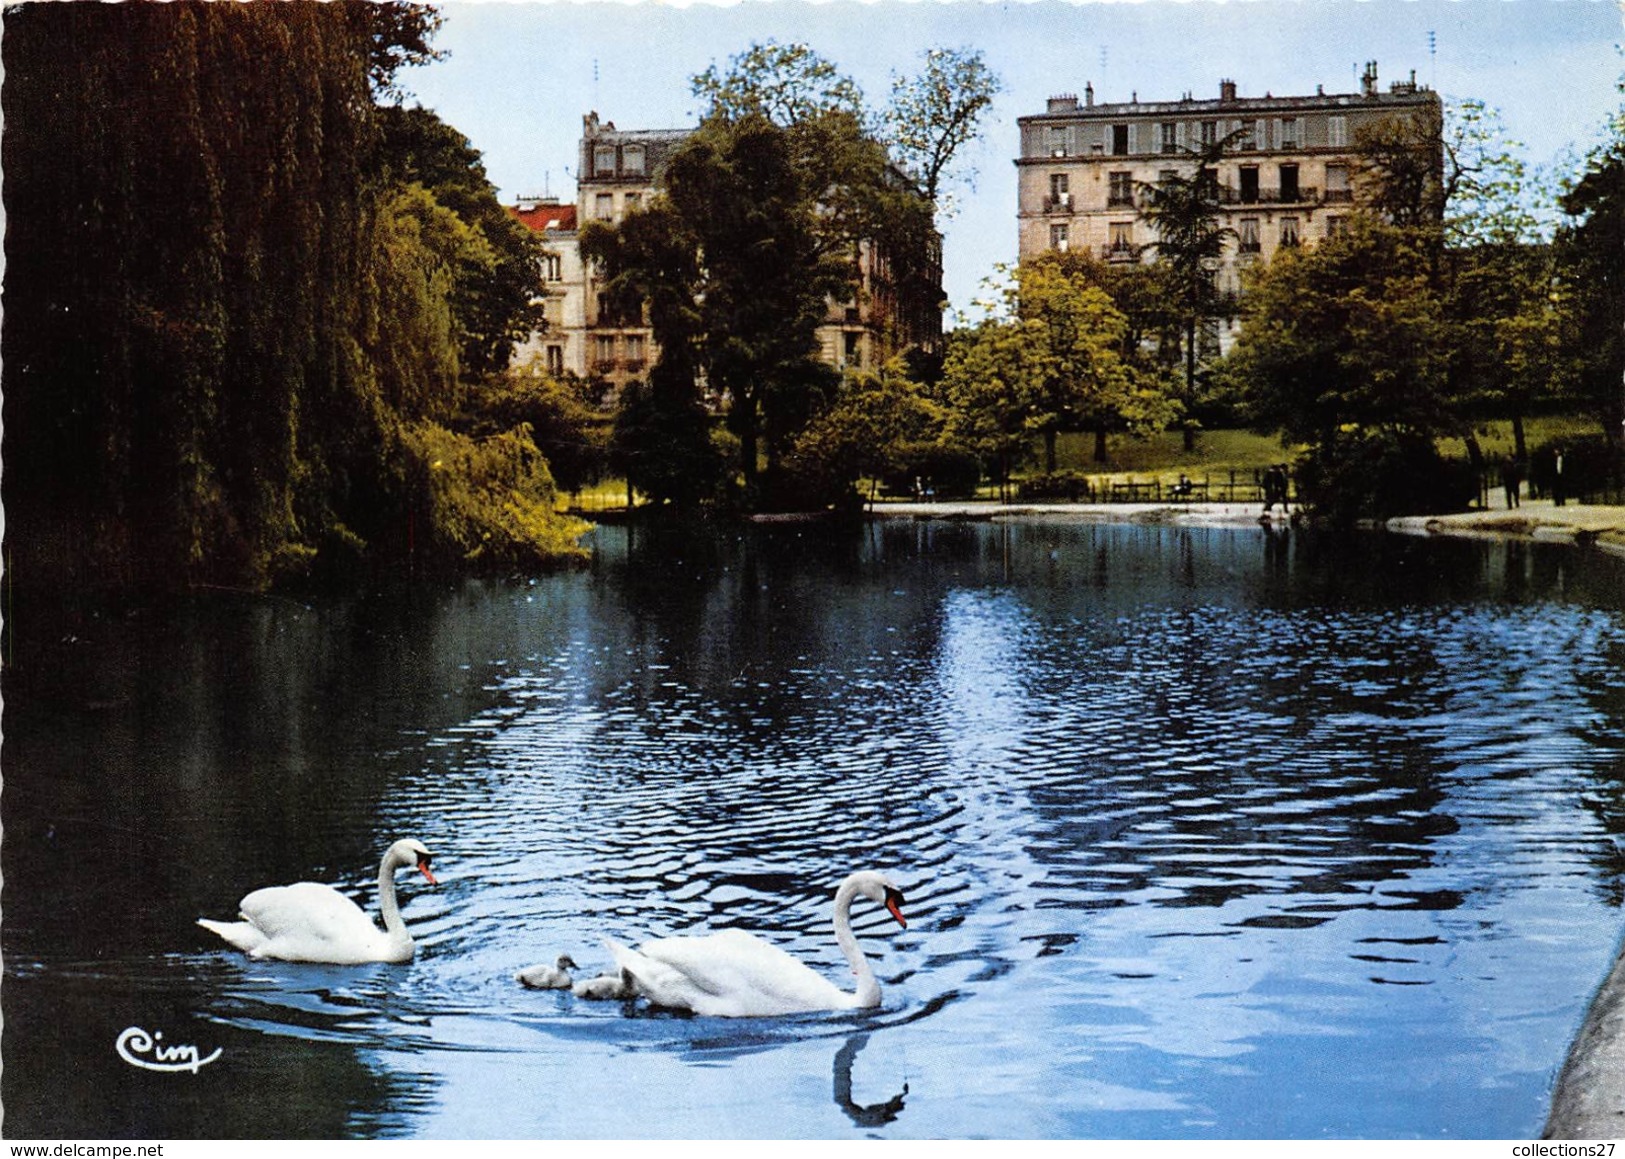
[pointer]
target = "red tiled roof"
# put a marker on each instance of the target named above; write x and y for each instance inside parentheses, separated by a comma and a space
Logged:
(545, 217)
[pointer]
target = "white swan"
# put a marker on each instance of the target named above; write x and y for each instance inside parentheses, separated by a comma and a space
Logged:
(545, 977)
(733, 974)
(308, 922)
(606, 987)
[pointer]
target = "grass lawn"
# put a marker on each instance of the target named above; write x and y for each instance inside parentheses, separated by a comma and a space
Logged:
(1163, 457)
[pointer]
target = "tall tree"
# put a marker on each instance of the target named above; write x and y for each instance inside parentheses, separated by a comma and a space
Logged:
(789, 84)
(1052, 360)
(1591, 262)
(225, 332)
(934, 115)
(762, 214)
(1185, 209)
(1348, 333)
(497, 288)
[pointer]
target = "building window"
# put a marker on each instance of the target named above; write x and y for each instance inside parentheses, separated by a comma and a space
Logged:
(853, 352)
(1119, 140)
(1121, 246)
(1059, 141)
(1337, 132)
(552, 267)
(1170, 137)
(603, 206)
(1210, 132)
(1337, 183)
(1249, 184)
(1249, 139)
(634, 351)
(634, 202)
(1337, 225)
(555, 360)
(1121, 190)
(1289, 183)
(603, 161)
(1289, 231)
(1058, 238)
(1060, 195)
(1249, 235)
(632, 160)
(1289, 132)
(606, 349)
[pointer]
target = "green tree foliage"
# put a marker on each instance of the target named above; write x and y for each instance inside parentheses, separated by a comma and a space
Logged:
(789, 84)
(990, 376)
(1185, 210)
(221, 328)
(497, 287)
(572, 436)
(1345, 348)
(1348, 333)
(1401, 171)
(934, 115)
(1085, 382)
(880, 425)
(1054, 360)
(1590, 250)
(399, 35)
(758, 225)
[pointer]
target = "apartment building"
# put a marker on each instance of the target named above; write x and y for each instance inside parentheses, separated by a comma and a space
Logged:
(1290, 180)
(618, 171)
(561, 345)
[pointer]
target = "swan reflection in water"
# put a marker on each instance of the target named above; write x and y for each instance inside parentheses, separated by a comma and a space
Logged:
(875, 1114)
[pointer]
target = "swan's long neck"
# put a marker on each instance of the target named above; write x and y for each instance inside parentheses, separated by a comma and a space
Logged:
(394, 925)
(868, 992)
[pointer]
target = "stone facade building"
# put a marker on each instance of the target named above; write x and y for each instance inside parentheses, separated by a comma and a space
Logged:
(561, 346)
(618, 171)
(1290, 180)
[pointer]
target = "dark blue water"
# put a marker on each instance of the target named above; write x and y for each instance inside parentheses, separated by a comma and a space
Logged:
(1205, 833)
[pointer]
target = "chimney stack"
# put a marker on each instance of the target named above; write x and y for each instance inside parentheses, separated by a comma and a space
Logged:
(1227, 90)
(1089, 94)
(1368, 80)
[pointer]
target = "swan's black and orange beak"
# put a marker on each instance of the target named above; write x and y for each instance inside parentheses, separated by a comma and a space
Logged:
(423, 868)
(894, 901)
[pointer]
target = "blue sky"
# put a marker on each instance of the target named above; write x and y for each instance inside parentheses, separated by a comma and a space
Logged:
(520, 75)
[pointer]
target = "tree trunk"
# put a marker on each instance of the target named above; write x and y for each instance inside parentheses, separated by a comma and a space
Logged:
(1049, 451)
(1520, 446)
(1100, 443)
(1190, 383)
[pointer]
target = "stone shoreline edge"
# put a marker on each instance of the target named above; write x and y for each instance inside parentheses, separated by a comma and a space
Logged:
(1602, 528)
(1588, 1101)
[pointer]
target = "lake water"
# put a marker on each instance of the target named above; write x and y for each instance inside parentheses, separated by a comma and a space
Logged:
(1204, 833)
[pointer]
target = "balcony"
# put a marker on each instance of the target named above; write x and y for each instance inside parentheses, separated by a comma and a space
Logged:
(1120, 251)
(1059, 203)
(1120, 201)
(1303, 195)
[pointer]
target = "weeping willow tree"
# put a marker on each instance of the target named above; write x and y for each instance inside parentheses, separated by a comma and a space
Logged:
(224, 331)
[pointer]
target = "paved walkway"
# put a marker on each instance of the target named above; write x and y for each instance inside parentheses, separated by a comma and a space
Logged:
(1539, 519)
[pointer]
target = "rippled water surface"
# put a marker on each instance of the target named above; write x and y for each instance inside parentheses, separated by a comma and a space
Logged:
(1205, 833)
